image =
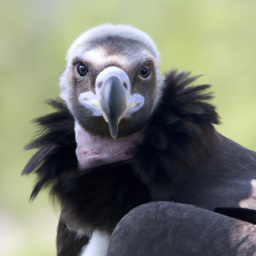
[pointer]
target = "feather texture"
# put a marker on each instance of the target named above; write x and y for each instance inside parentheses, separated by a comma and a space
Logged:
(178, 136)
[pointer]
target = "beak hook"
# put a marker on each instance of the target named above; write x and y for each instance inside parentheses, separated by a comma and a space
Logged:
(113, 103)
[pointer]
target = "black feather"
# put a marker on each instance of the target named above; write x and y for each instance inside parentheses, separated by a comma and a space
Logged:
(37, 158)
(247, 215)
(179, 134)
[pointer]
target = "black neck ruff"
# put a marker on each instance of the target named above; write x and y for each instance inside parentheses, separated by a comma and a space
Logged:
(179, 134)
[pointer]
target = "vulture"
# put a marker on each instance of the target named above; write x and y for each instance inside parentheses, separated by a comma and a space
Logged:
(134, 160)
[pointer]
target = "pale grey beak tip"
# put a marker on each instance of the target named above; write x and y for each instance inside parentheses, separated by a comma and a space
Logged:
(113, 128)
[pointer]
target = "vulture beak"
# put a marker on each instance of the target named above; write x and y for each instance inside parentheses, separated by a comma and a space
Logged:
(113, 103)
(112, 98)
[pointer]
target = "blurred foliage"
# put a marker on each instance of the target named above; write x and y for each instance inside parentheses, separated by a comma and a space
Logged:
(215, 38)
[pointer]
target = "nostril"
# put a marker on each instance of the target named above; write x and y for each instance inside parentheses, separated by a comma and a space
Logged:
(100, 84)
(125, 86)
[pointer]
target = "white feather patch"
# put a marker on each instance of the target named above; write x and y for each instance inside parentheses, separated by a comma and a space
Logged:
(250, 202)
(97, 246)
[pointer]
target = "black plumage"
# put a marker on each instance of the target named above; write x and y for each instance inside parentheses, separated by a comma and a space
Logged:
(180, 152)
(168, 228)
(178, 135)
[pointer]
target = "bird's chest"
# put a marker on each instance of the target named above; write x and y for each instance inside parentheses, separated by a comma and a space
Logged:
(100, 198)
(95, 202)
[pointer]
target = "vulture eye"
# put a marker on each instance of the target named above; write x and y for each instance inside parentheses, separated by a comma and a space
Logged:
(82, 69)
(145, 72)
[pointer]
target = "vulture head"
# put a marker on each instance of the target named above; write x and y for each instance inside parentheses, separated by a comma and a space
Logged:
(111, 84)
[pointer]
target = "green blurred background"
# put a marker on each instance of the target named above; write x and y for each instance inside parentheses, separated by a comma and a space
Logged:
(215, 38)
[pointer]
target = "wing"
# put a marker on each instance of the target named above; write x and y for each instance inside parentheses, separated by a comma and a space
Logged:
(171, 229)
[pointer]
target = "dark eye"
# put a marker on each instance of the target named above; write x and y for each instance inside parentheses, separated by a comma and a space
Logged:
(82, 69)
(145, 72)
